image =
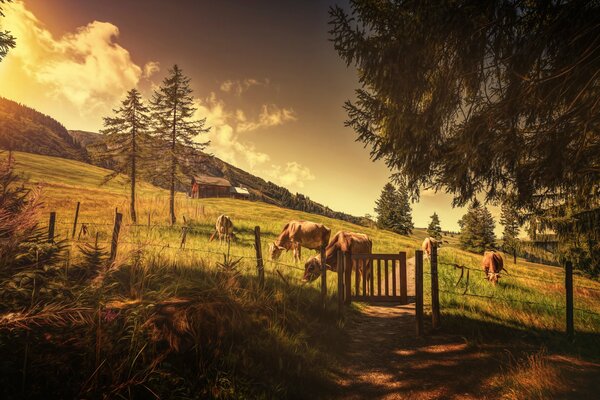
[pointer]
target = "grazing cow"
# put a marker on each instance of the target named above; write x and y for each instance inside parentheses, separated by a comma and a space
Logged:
(428, 243)
(349, 242)
(492, 265)
(297, 234)
(223, 228)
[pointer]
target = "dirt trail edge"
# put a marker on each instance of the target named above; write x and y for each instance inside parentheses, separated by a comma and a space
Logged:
(385, 360)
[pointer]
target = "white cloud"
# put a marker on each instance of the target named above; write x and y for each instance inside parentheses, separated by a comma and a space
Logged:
(86, 68)
(238, 87)
(227, 145)
(151, 68)
(270, 115)
(292, 174)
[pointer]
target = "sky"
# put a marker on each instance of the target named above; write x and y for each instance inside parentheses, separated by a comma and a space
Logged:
(264, 74)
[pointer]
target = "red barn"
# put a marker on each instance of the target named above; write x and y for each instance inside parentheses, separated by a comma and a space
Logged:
(210, 186)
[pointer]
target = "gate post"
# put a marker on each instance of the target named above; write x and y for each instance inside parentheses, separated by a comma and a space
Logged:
(569, 299)
(340, 281)
(403, 279)
(435, 295)
(419, 291)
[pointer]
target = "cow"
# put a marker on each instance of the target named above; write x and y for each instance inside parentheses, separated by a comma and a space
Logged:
(428, 243)
(492, 264)
(224, 229)
(349, 242)
(297, 234)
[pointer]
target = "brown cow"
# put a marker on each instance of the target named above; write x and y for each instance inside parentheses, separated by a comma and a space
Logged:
(427, 244)
(297, 234)
(492, 265)
(349, 242)
(224, 229)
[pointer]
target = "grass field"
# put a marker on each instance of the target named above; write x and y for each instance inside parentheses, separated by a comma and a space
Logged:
(528, 303)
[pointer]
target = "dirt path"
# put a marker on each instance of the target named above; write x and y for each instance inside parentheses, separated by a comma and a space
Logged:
(385, 360)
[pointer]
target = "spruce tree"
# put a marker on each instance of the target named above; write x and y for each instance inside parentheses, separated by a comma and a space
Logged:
(434, 229)
(127, 140)
(477, 229)
(173, 111)
(393, 210)
(509, 218)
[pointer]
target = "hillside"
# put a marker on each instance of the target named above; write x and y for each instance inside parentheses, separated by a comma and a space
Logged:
(25, 129)
(502, 337)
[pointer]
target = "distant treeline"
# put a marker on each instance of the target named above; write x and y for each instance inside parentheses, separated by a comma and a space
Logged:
(24, 129)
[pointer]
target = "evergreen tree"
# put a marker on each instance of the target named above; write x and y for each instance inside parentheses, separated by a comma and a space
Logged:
(127, 140)
(509, 218)
(434, 229)
(477, 229)
(173, 111)
(393, 210)
(7, 41)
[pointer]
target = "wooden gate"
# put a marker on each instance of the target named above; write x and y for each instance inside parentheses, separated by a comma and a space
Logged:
(384, 281)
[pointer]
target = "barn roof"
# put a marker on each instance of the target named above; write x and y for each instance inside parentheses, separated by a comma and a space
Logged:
(211, 181)
(239, 190)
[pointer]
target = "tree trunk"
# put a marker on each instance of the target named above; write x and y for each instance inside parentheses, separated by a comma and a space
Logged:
(173, 168)
(133, 172)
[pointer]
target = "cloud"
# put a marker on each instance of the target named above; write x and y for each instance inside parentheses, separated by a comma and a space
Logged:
(292, 174)
(227, 145)
(151, 68)
(86, 68)
(270, 115)
(238, 87)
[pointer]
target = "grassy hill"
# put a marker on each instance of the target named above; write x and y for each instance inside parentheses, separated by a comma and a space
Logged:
(526, 307)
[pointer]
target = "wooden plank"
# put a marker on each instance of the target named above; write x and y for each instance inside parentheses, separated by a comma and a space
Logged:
(379, 277)
(348, 278)
(376, 256)
(340, 282)
(372, 277)
(323, 278)
(419, 291)
(403, 279)
(394, 265)
(364, 276)
(435, 295)
(356, 278)
(387, 279)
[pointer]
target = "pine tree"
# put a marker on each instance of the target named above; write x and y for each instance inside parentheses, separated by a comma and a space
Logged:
(127, 140)
(477, 229)
(7, 41)
(509, 218)
(434, 229)
(393, 210)
(173, 110)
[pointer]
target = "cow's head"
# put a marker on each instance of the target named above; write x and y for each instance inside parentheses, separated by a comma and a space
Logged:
(275, 251)
(312, 269)
(493, 277)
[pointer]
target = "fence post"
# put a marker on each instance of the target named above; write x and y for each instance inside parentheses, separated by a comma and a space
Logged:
(569, 293)
(75, 220)
(340, 281)
(323, 277)
(348, 278)
(419, 291)
(51, 224)
(259, 259)
(435, 295)
(115, 236)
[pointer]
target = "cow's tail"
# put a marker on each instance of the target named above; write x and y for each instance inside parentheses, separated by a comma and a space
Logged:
(212, 237)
